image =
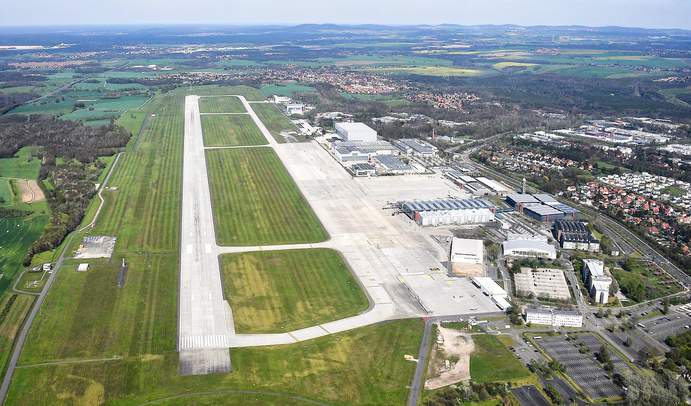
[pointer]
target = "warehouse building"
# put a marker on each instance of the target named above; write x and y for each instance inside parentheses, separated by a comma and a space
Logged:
(416, 147)
(575, 235)
(467, 257)
(541, 283)
(529, 248)
(346, 151)
(362, 169)
(541, 207)
(449, 211)
(355, 132)
(554, 318)
(391, 164)
(493, 290)
(294, 109)
(466, 182)
(496, 187)
(596, 280)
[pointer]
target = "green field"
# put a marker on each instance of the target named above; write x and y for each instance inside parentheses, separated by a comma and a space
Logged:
(13, 310)
(221, 104)
(6, 194)
(492, 361)
(22, 165)
(274, 120)
(16, 236)
(640, 281)
(276, 291)
(256, 202)
(286, 89)
(363, 366)
(230, 130)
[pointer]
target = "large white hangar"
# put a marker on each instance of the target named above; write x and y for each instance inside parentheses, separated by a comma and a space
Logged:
(449, 211)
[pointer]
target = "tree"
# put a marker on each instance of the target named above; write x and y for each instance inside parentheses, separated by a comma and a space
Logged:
(665, 306)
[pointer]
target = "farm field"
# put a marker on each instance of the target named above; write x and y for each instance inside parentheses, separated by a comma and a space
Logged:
(332, 369)
(276, 291)
(256, 202)
(493, 362)
(21, 166)
(230, 130)
(286, 89)
(221, 104)
(16, 236)
(274, 120)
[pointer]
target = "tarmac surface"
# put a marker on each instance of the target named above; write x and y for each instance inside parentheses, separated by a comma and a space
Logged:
(397, 263)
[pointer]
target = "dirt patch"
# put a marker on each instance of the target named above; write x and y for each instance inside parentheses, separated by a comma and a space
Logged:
(30, 191)
(450, 361)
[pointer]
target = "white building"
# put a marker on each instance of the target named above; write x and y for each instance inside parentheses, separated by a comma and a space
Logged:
(524, 248)
(554, 318)
(467, 257)
(355, 132)
(493, 290)
(455, 217)
(358, 151)
(542, 283)
(294, 109)
(280, 99)
(597, 281)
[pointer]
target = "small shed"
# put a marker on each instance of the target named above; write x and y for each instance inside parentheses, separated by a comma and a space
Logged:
(83, 267)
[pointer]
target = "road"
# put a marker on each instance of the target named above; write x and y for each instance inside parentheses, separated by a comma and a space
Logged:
(26, 327)
(100, 193)
(419, 377)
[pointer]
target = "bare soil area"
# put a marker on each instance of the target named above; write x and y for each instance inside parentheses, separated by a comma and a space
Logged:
(30, 191)
(450, 362)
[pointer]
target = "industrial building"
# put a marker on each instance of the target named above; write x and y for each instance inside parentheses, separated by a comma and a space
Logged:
(416, 147)
(554, 318)
(542, 283)
(346, 151)
(494, 291)
(541, 207)
(596, 280)
(294, 109)
(355, 132)
(390, 164)
(575, 235)
(467, 257)
(362, 169)
(449, 211)
(529, 247)
(496, 187)
(466, 182)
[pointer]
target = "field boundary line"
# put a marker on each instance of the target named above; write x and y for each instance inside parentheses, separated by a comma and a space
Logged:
(68, 361)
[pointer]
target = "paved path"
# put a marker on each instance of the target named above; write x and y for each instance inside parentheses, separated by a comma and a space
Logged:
(100, 193)
(418, 378)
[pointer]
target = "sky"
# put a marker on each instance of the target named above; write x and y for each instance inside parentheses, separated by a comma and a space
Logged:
(628, 13)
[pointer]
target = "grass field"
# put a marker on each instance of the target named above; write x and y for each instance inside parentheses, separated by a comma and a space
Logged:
(274, 120)
(6, 194)
(16, 236)
(221, 104)
(492, 361)
(13, 310)
(233, 130)
(22, 165)
(333, 369)
(641, 281)
(276, 291)
(256, 202)
(286, 89)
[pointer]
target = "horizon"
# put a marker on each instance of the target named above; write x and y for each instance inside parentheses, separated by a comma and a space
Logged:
(663, 14)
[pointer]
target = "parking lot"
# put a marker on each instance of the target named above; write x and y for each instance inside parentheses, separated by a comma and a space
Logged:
(530, 396)
(665, 326)
(583, 368)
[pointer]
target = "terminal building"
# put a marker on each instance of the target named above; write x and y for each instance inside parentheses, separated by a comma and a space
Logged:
(494, 291)
(362, 169)
(597, 281)
(542, 283)
(449, 211)
(355, 132)
(575, 235)
(467, 257)
(529, 247)
(554, 318)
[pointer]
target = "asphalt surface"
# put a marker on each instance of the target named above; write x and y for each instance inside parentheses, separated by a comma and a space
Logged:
(419, 377)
